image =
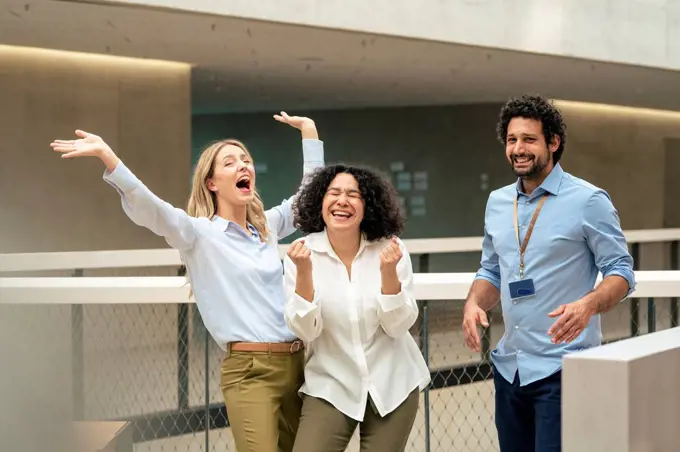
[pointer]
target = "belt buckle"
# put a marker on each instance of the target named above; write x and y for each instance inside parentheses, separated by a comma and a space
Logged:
(295, 346)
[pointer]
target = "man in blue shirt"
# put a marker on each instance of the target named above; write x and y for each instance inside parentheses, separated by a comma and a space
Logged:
(546, 238)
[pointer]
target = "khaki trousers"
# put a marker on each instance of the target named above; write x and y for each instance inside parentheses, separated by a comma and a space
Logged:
(260, 394)
(325, 429)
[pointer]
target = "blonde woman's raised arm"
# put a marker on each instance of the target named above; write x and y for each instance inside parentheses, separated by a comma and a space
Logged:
(139, 203)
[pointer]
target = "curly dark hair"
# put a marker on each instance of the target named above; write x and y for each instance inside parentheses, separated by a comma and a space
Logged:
(383, 217)
(534, 107)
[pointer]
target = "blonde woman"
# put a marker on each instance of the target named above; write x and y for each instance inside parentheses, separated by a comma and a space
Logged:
(229, 244)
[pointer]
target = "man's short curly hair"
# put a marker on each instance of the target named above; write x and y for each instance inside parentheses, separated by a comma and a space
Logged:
(383, 217)
(534, 107)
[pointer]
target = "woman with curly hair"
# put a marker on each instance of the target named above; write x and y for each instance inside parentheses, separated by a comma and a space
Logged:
(349, 295)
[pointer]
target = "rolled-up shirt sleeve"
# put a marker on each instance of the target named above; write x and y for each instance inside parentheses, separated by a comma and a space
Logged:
(490, 269)
(605, 238)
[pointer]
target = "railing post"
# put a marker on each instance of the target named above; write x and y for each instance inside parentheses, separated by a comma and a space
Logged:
(634, 302)
(206, 420)
(675, 265)
(182, 353)
(651, 315)
(78, 359)
(425, 348)
(486, 338)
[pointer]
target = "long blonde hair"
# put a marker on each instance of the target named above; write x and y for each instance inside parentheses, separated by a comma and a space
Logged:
(203, 202)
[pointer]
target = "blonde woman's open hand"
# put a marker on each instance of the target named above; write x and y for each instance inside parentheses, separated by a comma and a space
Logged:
(87, 145)
(302, 123)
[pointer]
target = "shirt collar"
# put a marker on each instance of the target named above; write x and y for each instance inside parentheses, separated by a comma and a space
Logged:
(224, 225)
(551, 184)
(319, 243)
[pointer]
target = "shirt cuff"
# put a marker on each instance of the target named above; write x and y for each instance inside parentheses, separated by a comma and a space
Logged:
(302, 308)
(488, 276)
(312, 150)
(628, 276)
(122, 178)
(391, 302)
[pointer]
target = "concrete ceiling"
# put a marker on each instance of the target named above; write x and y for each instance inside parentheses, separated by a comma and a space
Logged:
(246, 65)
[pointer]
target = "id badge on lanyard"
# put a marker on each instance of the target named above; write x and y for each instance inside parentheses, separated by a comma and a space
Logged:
(524, 287)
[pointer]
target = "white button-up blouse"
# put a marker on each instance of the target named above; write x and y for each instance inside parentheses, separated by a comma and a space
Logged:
(358, 340)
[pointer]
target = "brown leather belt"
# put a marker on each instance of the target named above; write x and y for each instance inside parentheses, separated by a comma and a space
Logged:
(267, 347)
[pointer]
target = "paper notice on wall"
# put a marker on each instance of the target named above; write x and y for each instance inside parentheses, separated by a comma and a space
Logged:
(484, 181)
(420, 180)
(397, 166)
(402, 204)
(404, 181)
(417, 201)
(418, 206)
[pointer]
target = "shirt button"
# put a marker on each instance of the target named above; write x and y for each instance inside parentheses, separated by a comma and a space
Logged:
(519, 352)
(514, 302)
(516, 327)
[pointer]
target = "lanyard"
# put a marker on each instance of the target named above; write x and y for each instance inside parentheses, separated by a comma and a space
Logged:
(523, 246)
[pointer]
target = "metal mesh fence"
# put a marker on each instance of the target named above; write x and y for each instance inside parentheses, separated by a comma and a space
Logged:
(155, 365)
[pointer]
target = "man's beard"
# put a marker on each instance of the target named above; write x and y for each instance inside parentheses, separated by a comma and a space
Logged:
(536, 166)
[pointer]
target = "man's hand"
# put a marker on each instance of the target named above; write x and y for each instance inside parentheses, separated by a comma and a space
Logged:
(573, 318)
(473, 315)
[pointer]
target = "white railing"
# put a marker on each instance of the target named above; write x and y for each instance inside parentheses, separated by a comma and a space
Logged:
(169, 257)
(173, 289)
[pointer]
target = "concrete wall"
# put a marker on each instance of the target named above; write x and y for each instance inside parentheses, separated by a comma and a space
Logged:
(672, 181)
(597, 29)
(141, 108)
(47, 204)
(35, 381)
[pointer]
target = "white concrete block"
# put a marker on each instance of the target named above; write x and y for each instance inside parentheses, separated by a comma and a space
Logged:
(623, 396)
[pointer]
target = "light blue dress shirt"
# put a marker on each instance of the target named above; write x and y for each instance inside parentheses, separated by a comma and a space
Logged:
(236, 278)
(576, 236)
